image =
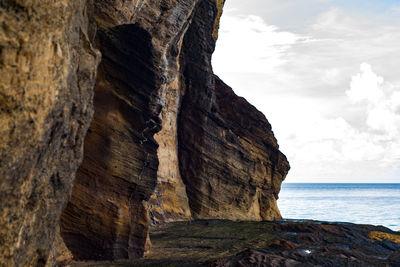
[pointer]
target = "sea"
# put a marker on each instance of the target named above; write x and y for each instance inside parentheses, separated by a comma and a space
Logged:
(377, 204)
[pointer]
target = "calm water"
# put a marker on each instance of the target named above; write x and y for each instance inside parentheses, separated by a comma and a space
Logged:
(377, 204)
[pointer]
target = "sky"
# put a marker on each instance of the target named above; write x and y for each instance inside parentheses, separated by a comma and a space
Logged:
(326, 73)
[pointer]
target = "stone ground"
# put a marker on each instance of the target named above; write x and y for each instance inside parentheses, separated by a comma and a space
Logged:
(281, 243)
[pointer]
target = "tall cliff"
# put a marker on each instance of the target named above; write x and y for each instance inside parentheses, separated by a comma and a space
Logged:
(169, 140)
(47, 72)
(229, 157)
(108, 210)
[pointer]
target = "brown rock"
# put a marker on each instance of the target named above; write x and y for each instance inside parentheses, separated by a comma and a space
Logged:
(133, 163)
(229, 157)
(47, 70)
(107, 217)
(169, 141)
(59, 254)
(106, 210)
(283, 244)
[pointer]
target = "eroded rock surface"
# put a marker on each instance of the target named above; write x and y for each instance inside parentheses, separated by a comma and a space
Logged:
(229, 158)
(168, 142)
(47, 72)
(320, 244)
(107, 217)
(106, 212)
(281, 243)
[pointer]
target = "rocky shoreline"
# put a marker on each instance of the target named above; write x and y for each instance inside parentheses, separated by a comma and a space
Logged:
(280, 243)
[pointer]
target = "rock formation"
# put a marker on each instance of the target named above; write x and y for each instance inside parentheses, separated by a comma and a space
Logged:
(158, 62)
(229, 157)
(47, 72)
(169, 140)
(107, 212)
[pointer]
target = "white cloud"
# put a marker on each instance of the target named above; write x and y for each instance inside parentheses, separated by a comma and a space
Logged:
(382, 104)
(335, 22)
(250, 45)
(381, 118)
(331, 76)
(366, 85)
(334, 116)
(338, 146)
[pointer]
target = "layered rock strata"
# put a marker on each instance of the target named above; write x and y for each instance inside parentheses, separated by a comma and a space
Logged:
(169, 141)
(47, 73)
(107, 217)
(157, 64)
(229, 158)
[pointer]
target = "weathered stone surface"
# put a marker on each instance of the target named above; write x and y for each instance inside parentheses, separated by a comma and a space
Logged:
(60, 255)
(320, 244)
(169, 201)
(279, 243)
(129, 179)
(47, 70)
(107, 217)
(169, 141)
(120, 162)
(395, 257)
(229, 158)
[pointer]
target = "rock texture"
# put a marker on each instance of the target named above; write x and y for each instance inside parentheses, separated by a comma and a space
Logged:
(106, 213)
(107, 217)
(168, 142)
(142, 164)
(229, 157)
(321, 244)
(47, 70)
(273, 244)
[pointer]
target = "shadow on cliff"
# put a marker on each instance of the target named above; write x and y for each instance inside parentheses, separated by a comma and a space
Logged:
(120, 161)
(229, 158)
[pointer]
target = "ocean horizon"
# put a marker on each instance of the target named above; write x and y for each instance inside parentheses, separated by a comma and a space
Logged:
(361, 203)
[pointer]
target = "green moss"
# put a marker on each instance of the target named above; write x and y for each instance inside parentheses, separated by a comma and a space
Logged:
(381, 236)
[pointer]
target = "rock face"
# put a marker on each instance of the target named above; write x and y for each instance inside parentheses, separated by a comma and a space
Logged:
(47, 70)
(226, 145)
(106, 212)
(229, 157)
(169, 141)
(156, 68)
(107, 217)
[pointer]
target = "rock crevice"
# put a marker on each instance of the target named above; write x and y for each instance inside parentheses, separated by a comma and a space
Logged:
(229, 158)
(169, 141)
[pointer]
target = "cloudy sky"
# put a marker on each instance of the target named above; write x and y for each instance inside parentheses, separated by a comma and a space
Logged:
(326, 73)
